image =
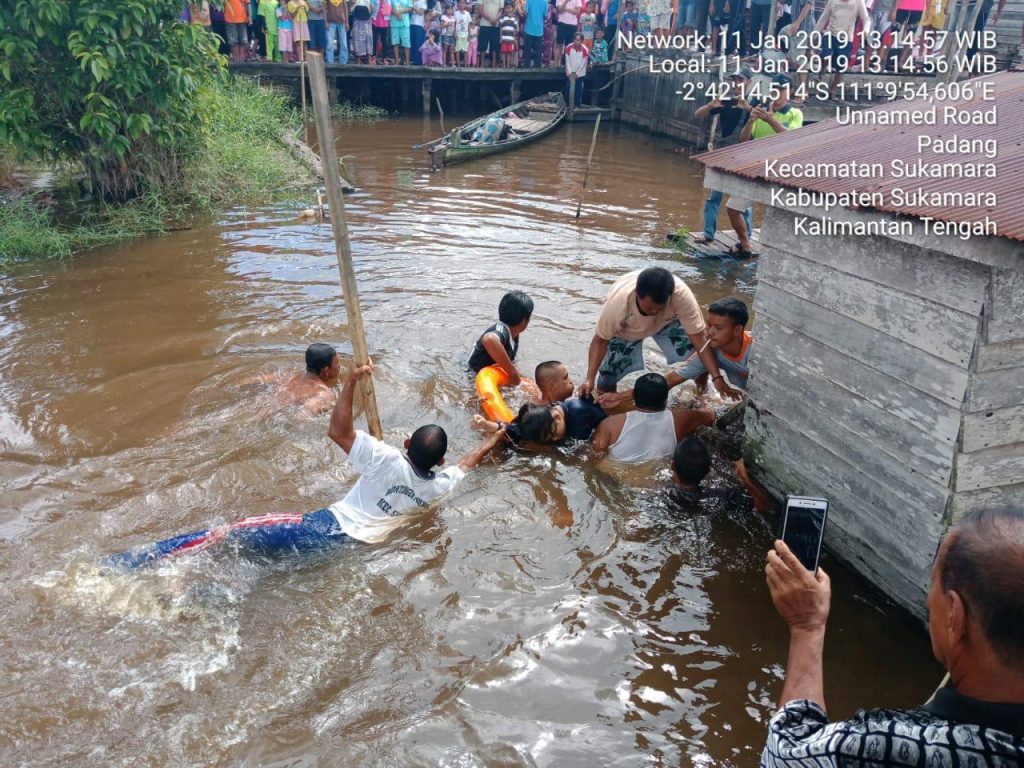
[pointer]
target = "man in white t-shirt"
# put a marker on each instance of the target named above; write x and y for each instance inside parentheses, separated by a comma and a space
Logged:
(391, 486)
(647, 303)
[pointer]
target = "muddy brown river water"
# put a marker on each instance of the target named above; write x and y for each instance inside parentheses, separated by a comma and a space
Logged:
(548, 615)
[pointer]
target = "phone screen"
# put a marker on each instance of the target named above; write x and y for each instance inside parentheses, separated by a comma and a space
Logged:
(803, 528)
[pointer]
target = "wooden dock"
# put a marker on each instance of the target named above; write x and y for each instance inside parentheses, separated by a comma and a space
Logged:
(414, 89)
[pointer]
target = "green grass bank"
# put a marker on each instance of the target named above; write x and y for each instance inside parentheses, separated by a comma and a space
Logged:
(236, 157)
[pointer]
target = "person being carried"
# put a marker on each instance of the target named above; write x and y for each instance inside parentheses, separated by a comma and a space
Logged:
(727, 321)
(314, 388)
(555, 387)
(653, 430)
(976, 624)
(554, 416)
(392, 485)
(500, 342)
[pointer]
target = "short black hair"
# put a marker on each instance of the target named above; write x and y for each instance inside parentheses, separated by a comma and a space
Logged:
(318, 357)
(535, 423)
(515, 307)
(691, 460)
(983, 564)
(656, 284)
(651, 392)
(732, 308)
(545, 369)
(427, 447)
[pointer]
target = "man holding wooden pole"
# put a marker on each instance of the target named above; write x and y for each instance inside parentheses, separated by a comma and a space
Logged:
(336, 201)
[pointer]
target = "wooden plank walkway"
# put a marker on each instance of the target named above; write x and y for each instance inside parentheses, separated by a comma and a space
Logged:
(719, 248)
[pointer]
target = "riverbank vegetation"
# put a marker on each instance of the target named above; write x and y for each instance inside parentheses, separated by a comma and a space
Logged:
(134, 116)
(236, 156)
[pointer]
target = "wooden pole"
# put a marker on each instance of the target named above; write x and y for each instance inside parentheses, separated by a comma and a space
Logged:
(302, 88)
(439, 109)
(336, 202)
(590, 159)
(572, 95)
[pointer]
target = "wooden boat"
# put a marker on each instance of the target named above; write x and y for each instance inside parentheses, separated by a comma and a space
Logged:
(523, 122)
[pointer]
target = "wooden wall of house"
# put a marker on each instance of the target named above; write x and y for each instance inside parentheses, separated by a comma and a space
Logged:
(864, 356)
(990, 461)
(648, 100)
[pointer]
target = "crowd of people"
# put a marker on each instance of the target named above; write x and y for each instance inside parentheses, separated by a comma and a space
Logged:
(453, 33)
(814, 35)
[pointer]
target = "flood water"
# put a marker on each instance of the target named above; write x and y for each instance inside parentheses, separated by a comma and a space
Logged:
(548, 615)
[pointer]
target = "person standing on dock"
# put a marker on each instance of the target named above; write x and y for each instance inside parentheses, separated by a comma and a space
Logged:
(489, 42)
(732, 111)
(976, 624)
(400, 38)
(568, 23)
(649, 303)
(336, 16)
(777, 117)
(417, 30)
(317, 27)
(237, 14)
(300, 27)
(362, 13)
(268, 10)
(610, 20)
(508, 28)
(533, 32)
(463, 18)
(576, 59)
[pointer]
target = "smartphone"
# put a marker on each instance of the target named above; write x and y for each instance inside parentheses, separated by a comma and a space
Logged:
(803, 528)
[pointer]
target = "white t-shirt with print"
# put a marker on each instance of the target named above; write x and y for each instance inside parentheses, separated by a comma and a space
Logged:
(462, 19)
(389, 487)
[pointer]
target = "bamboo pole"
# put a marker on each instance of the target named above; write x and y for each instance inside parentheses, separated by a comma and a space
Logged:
(302, 89)
(439, 109)
(590, 159)
(572, 95)
(336, 202)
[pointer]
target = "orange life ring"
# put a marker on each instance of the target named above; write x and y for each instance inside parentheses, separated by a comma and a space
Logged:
(488, 384)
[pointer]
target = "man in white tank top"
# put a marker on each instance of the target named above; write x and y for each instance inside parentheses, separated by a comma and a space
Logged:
(651, 431)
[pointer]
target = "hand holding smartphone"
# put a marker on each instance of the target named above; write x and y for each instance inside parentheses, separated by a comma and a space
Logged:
(803, 528)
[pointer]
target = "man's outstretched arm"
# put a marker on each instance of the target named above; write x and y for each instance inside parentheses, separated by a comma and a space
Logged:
(474, 457)
(341, 429)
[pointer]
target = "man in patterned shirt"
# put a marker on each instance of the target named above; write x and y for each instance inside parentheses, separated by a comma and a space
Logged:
(976, 622)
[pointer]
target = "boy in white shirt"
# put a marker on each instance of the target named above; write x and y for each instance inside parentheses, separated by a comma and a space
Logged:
(391, 486)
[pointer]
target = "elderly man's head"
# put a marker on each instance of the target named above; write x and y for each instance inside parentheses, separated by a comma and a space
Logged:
(976, 602)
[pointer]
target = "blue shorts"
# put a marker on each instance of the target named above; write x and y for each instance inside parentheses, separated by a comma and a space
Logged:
(263, 535)
(624, 357)
(400, 35)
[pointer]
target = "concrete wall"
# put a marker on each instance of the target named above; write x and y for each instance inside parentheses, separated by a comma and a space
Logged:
(888, 376)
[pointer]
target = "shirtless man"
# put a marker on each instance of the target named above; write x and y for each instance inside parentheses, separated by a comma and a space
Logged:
(314, 389)
(652, 431)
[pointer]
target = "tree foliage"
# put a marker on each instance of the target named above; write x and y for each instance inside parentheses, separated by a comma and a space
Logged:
(109, 84)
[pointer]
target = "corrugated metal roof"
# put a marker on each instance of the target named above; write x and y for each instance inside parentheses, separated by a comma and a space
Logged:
(830, 142)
